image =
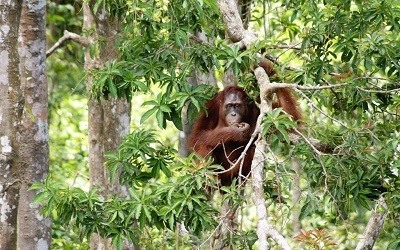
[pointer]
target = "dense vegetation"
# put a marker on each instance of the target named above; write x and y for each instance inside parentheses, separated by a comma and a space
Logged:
(351, 46)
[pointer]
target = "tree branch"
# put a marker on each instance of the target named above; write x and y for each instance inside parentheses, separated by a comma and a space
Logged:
(374, 226)
(264, 229)
(378, 90)
(68, 36)
(320, 110)
(231, 17)
(237, 33)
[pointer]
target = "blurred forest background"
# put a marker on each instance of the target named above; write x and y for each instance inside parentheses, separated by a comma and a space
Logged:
(144, 71)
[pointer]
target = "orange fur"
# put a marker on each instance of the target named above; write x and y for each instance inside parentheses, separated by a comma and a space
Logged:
(210, 137)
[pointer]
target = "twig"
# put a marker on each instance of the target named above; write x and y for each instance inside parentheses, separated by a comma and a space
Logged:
(332, 86)
(309, 143)
(378, 90)
(287, 48)
(294, 47)
(216, 228)
(276, 85)
(68, 36)
(372, 78)
(320, 110)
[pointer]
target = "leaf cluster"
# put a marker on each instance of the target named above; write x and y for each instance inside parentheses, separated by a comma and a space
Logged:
(162, 202)
(360, 36)
(317, 239)
(276, 126)
(140, 157)
(362, 173)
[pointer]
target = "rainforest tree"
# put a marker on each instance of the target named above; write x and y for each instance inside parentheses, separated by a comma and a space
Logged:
(340, 57)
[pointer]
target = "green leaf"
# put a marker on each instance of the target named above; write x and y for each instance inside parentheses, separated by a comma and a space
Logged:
(305, 211)
(181, 102)
(97, 5)
(40, 198)
(171, 221)
(165, 109)
(161, 122)
(176, 119)
(138, 211)
(190, 205)
(147, 212)
(36, 185)
(151, 102)
(143, 87)
(166, 170)
(284, 133)
(133, 194)
(147, 114)
(113, 216)
(195, 103)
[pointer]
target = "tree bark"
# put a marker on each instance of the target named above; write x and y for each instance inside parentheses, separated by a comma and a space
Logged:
(238, 34)
(264, 229)
(109, 120)
(34, 231)
(296, 196)
(24, 137)
(374, 226)
(11, 104)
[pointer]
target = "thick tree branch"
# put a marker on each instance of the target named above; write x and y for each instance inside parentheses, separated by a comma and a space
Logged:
(68, 36)
(264, 229)
(231, 17)
(237, 33)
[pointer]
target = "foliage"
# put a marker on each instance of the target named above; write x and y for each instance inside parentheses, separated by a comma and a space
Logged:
(141, 157)
(349, 46)
(167, 58)
(276, 126)
(156, 202)
(67, 120)
(316, 239)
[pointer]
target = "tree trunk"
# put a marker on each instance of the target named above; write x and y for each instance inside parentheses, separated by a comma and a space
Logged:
(109, 120)
(24, 124)
(33, 160)
(11, 104)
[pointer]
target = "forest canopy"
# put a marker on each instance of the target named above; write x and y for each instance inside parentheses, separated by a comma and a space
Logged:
(321, 181)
